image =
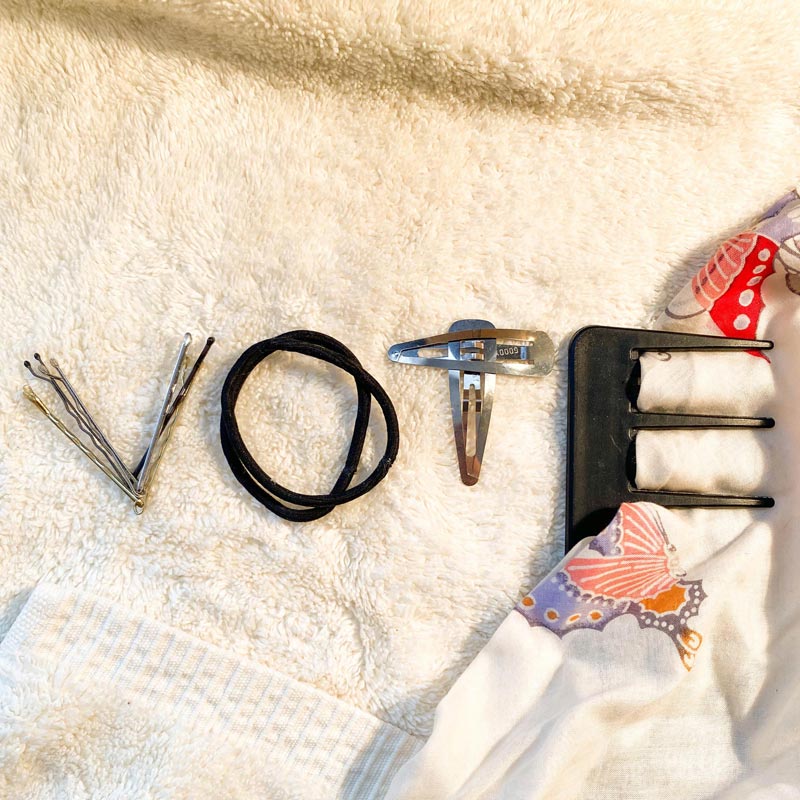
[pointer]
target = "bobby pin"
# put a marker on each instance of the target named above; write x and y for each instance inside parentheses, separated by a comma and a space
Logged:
(89, 437)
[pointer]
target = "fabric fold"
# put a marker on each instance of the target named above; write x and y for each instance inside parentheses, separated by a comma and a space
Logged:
(578, 676)
(95, 700)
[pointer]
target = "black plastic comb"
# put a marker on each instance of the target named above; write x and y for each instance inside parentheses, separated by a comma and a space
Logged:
(603, 420)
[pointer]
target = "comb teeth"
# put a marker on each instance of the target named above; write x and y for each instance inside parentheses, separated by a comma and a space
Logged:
(603, 421)
(640, 341)
(699, 500)
(643, 420)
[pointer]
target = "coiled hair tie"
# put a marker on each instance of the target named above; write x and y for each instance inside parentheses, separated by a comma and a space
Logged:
(244, 467)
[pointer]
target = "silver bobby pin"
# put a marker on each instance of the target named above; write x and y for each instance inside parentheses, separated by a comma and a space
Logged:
(91, 440)
(474, 351)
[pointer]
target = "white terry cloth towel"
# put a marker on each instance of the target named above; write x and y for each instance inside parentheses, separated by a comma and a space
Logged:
(659, 658)
(375, 170)
(96, 702)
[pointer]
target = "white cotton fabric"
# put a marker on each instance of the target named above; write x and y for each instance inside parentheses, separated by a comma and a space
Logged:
(705, 382)
(614, 714)
(96, 702)
(738, 462)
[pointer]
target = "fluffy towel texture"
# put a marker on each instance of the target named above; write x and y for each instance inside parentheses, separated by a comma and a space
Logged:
(374, 170)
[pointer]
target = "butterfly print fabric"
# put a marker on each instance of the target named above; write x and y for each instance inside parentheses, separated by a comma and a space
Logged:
(630, 568)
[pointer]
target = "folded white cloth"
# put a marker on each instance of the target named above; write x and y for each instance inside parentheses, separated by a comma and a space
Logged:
(98, 703)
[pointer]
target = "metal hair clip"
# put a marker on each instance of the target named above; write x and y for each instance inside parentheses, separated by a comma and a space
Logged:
(91, 440)
(474, 351)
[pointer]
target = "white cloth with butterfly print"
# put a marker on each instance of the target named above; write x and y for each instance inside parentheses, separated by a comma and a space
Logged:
(661, 659)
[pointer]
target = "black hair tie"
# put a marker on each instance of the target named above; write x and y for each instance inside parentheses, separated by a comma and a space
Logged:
(255, 480)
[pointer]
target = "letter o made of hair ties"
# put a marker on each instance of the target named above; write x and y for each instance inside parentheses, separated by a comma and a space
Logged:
(260, 485)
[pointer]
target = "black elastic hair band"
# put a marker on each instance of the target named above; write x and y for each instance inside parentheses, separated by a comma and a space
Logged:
(255, 480)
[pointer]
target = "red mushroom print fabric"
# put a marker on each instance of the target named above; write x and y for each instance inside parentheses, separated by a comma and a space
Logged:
(726, 297)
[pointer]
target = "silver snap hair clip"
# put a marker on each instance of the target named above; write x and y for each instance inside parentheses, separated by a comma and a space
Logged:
(474, 351)
(91, 440)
